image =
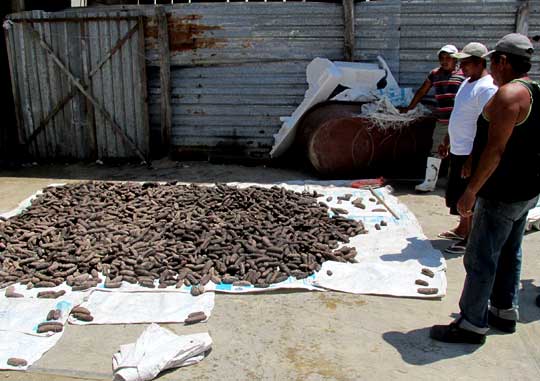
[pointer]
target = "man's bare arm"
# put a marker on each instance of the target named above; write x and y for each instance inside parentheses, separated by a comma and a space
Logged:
(503, 112)
(420, 93)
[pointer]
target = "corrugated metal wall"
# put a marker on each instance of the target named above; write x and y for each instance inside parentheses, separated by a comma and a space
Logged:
(81, 42)
(378, 32)
(238, 67)
(534, 30)
(427, 25)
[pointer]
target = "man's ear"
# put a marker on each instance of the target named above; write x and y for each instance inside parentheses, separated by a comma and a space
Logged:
(503, 59)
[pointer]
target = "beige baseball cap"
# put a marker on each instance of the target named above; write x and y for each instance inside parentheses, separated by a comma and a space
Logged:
(514, 43)
(472, 49)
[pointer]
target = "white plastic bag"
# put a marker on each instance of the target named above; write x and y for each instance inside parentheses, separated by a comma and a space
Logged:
(156, 350)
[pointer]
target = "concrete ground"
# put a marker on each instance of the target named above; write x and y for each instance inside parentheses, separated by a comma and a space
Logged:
(301, 335)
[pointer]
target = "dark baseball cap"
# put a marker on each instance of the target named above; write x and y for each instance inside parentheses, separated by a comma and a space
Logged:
(513, 43)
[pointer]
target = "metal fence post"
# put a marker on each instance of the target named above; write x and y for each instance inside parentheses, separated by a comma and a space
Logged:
(522, 18)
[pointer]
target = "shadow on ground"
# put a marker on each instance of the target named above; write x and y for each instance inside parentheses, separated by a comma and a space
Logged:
(416, 348)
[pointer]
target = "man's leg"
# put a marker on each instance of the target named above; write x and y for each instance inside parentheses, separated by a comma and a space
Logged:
(503, 313)
(433, 164)
(489, 232)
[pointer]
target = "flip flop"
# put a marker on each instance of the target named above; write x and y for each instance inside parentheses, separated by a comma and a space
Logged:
(457, 248)
(449, 234)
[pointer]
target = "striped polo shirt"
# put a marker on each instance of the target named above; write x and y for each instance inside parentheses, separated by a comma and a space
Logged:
(446, 85)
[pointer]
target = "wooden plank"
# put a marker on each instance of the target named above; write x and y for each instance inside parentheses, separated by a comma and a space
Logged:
(129, 101)
(33, 92)
(109, 144)
(117, 88)
(49, 94)
(78, 103)
(349, 33)
(143, 93)
(71, 132)
(64, 136)
(89, 109)
(522, 18)
(58, 90)
(82, 18)
(96, 85)
(9, 35)
(133, 45)
(50, 121)
(165, 76)
(81, 88)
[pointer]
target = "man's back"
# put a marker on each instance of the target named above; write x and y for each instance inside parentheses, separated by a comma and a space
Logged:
(517, 177)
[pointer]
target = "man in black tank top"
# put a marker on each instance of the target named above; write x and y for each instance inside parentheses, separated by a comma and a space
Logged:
(504, 185)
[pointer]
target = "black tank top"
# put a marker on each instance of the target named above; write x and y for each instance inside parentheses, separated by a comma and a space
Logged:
(517, 177)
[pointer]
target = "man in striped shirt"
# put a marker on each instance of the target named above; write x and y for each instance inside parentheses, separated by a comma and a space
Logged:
(446, 81)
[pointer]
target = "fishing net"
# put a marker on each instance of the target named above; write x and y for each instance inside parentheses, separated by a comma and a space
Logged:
(382, 114)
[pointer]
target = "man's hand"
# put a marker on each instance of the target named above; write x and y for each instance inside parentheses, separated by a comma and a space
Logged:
(466, 203)
(444, 148)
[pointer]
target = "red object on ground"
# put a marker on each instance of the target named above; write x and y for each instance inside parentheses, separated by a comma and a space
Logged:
(364, 183)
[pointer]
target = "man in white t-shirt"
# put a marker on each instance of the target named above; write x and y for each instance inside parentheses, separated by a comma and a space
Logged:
(471, 98)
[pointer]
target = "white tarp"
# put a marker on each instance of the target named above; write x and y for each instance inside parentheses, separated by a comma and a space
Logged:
(156, 350)
(24, 346)
(19, 320)
(25, 314)
(144, 307)
(389, 260)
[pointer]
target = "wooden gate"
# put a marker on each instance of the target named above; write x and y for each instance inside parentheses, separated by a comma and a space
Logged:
(79, 84)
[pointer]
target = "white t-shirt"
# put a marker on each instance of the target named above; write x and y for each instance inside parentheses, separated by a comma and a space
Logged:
(468, 104)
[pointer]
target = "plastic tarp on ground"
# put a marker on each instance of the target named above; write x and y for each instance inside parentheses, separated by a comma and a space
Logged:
(389, 260)
(144, 307)
(19, 320)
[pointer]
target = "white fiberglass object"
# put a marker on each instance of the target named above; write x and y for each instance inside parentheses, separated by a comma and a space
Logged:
(323, 76)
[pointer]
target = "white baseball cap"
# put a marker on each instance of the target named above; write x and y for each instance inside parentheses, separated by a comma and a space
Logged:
(472, 49)
(450, 49)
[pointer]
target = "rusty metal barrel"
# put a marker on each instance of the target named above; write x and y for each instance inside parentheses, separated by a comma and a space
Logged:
(339, 141)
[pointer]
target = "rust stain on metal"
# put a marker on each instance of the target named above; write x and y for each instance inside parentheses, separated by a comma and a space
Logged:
(186, 33)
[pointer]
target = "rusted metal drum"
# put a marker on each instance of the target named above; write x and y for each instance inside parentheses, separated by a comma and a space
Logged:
(339, 141)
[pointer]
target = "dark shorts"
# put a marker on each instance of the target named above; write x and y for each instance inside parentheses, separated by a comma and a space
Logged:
(456, 184)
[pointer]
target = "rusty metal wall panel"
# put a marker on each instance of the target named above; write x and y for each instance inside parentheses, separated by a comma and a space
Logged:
(428, 25)
(237, 68)
(225, 33)
(81, 40)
